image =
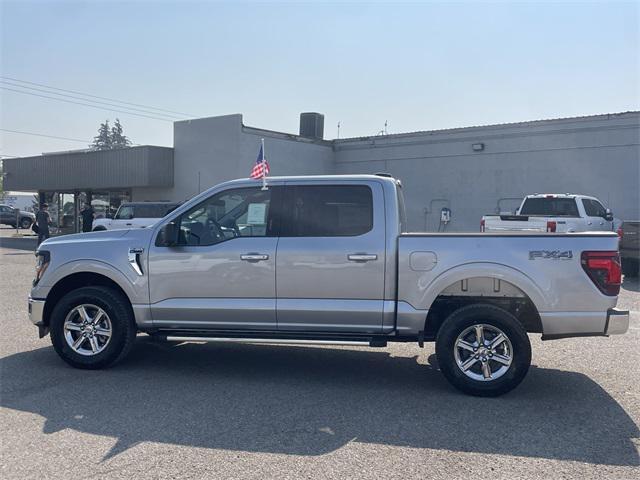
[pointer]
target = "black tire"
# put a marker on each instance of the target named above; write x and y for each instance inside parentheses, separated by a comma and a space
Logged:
(493, 316)
(99, 228)
(25, 223)
(630, 267)
(123, 329)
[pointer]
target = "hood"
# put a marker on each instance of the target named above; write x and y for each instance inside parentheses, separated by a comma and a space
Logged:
(89, 238)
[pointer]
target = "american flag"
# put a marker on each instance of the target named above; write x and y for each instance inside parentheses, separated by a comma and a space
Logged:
(261, 168)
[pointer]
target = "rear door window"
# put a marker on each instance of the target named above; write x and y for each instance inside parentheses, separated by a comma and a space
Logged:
(328, 211)
(550, 207)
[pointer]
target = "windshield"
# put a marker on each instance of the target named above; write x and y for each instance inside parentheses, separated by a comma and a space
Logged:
(550, 207)
(127, 212)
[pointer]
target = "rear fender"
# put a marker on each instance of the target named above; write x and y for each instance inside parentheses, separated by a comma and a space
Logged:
(492, 270)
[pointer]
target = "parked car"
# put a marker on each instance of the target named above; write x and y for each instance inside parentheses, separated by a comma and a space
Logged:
(553, 212)
(11, 216)
(134, 215)
(630, 247)
(325, 260)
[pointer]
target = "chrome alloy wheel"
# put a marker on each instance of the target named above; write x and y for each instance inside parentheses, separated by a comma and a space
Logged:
(483, 352)
(87, 329)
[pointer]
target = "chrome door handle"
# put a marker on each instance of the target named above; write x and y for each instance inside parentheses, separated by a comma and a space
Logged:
(362, 257)
(254, 257)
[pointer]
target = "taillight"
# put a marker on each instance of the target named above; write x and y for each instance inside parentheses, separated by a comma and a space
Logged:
(551, 226)
(604, 270)
(482, 225)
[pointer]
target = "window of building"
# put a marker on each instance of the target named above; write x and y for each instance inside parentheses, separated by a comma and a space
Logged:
(328, 211)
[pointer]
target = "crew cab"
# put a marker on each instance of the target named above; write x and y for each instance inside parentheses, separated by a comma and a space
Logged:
(325, 260)
(134, 215)
(552, 212)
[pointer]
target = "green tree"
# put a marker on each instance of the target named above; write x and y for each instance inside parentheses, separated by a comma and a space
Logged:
(103, 141)
(118, 138)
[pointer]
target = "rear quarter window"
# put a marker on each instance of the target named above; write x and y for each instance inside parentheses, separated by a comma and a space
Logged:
(550, 207)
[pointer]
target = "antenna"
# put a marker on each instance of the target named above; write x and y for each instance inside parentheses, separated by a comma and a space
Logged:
(385, 127)
(338, 129)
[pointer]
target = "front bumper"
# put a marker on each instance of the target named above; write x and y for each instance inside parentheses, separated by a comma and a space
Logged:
(36, 311)
(617, 322)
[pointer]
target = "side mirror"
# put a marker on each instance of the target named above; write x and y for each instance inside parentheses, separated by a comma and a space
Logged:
(168, 235)
(608, 216)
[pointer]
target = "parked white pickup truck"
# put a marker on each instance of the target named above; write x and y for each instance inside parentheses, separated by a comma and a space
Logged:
(134, 215)
(325, 260)
(552, 212)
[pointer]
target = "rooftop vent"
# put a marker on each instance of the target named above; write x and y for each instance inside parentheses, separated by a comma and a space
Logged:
(312, 125)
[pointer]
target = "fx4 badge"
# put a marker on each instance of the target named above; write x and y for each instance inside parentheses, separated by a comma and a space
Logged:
(551, 254)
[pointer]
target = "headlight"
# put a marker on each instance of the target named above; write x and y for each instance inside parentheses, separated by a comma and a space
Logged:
(42, 262)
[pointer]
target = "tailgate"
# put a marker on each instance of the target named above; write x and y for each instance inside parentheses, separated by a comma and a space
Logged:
(630, 236)
(514, 223)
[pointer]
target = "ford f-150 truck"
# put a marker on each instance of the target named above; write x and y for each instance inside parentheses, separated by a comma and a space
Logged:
(325, 260)
(553, 212)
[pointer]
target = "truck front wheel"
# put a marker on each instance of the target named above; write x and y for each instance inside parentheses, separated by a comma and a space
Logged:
(483, 350)
(92, 327)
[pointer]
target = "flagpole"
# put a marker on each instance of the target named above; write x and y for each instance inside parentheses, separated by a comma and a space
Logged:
(264, 176)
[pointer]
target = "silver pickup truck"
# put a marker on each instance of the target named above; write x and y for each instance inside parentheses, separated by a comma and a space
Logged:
(325, 260)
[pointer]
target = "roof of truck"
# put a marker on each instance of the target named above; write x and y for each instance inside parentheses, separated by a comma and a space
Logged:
(559, 195)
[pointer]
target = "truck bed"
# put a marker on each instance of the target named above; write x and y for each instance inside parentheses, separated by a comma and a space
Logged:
(544, 267)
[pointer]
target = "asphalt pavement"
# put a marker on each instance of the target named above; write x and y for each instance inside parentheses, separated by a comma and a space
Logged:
(246, 411)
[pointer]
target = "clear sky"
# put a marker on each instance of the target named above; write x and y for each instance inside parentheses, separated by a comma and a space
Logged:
(418, 65)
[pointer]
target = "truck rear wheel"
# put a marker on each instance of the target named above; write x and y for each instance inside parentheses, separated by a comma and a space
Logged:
(483, 350)
(92, 327)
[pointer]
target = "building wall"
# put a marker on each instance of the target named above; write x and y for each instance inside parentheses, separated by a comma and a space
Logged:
(212, 150)
(92, 170)
(598, 155)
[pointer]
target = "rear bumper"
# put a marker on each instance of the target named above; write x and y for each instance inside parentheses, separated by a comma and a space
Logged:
(617, 322)
(584, 324)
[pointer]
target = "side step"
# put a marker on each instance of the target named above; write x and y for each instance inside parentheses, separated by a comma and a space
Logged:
(277, 341)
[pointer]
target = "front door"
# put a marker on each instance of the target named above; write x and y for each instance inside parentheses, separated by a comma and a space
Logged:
(596, 215)
(331, 258)
(221, 275)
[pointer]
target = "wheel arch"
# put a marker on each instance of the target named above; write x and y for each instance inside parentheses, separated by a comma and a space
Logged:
(73, 282)
(506, 291)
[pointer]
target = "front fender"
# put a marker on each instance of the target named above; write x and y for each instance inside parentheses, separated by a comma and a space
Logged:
(133, 285)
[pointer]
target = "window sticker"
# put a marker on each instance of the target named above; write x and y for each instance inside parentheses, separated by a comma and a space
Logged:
(257, 213)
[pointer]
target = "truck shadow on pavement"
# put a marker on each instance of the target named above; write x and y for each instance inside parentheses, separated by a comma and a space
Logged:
(311, 401)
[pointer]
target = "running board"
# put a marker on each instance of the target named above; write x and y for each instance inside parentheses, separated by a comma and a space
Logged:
(276, 341)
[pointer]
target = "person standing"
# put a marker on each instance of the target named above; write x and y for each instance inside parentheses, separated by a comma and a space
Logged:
(43, 220)
(88, 214)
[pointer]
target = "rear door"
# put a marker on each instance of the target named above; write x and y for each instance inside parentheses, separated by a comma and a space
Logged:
(330, 260)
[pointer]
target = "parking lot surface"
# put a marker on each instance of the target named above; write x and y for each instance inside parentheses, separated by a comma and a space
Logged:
(248, 411)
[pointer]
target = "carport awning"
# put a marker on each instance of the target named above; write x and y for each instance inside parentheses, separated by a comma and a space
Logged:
(144, 166)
